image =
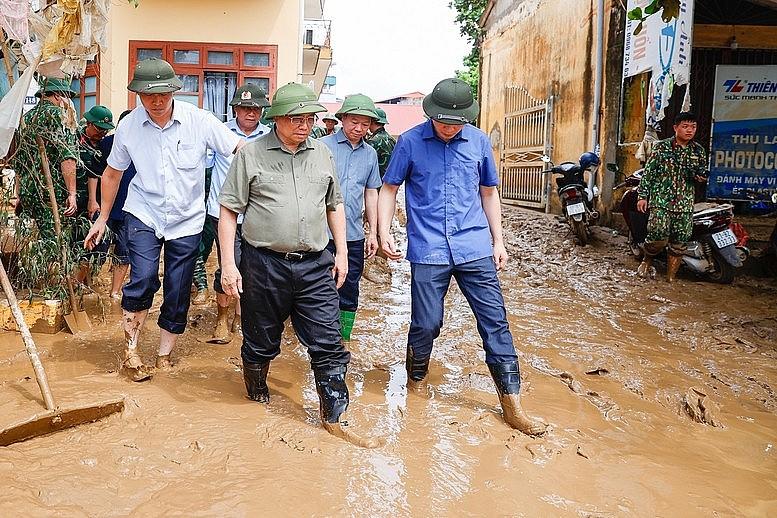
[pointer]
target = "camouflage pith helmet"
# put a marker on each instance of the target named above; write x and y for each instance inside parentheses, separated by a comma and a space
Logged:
(100, 116)
(451, 102)
(329, 117)
(357, 104)
(382, 119)
(154, 76)
(54, 85)
(250, 96)
(293, 99)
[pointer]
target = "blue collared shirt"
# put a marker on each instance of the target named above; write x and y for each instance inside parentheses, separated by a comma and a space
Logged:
(357, 170)
(168, 190)
(446, 223)
(221, 163)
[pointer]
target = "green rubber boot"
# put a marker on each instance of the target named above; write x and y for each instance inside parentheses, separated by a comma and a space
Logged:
(346, 324)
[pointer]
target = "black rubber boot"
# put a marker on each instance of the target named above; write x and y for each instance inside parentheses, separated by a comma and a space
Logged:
(332, 393)
(507, 377)
(255, 376)
(416, 368)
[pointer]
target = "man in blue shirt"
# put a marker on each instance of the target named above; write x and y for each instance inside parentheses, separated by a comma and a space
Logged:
(454, 229)
(359, 176)
(248, 102)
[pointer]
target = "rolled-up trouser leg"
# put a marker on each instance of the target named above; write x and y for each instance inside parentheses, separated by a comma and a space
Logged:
(315, 312)
(180, 256)
(266, 303)
(144, 249)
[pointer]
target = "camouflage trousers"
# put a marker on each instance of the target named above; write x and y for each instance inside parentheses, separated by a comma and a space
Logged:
(200, 279)
(670, 227)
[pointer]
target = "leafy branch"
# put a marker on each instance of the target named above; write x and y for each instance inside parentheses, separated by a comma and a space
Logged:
(669, 9)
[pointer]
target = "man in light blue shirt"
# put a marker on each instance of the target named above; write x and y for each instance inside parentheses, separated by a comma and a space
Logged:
(454, 229)
(357, 169)
(247, 104)
(167, 142)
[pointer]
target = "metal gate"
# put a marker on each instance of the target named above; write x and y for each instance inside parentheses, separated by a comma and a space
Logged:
(527, 130)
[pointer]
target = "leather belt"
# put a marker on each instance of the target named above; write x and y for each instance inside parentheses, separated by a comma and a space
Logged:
(292, 256)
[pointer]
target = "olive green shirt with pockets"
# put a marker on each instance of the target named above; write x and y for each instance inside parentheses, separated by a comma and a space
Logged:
(284, 196)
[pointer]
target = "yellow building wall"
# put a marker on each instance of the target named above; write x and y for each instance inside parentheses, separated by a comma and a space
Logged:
(270, 22)
(545, 47)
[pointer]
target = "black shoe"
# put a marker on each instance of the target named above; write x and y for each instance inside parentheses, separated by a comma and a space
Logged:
(416, 368)
(507, 377)
(332, 393)
(255, 376)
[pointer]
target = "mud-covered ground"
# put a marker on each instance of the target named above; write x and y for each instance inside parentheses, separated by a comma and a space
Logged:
(660, 398)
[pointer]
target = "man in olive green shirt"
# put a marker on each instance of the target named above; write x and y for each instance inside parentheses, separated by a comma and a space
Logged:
(286, 186)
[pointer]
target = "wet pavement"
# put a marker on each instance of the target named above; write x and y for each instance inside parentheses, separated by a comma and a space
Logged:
(660, 399)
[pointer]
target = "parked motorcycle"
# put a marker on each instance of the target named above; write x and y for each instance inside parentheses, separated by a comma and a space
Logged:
(577, 200)
(718, 246)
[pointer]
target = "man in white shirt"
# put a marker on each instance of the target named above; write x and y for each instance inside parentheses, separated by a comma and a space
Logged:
(167, 142)
(247, 103)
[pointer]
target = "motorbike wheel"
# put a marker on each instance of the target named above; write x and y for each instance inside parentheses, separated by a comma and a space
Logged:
(581, 231)
(724, 272)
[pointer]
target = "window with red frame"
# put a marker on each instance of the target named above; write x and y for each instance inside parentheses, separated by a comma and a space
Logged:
(87, 88)
(210, 72)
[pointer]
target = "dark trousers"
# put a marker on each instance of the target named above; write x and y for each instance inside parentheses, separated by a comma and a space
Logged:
(120, 254)
(145, 250)
(214, 224)
(275, 288)
(480, 286)
(349, 291)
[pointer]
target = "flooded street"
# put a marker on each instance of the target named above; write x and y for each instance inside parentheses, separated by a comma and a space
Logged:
(661, 400)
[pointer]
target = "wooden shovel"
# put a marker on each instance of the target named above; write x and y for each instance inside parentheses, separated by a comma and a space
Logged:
(54, 418)
(77, 320)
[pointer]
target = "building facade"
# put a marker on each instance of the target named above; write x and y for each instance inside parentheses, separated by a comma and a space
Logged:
(213, 46)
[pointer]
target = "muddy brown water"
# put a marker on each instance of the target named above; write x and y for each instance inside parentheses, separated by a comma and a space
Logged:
(617, 365)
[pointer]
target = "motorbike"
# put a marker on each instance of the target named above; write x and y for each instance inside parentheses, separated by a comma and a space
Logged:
(718, 245)
(577, 199)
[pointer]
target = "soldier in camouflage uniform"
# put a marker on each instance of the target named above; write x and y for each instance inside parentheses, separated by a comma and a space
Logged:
(381, 141)
(46, 120)
(330, 123)
(667, 190)
(98, 122)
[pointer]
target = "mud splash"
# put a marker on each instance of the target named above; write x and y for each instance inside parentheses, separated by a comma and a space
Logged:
(631, 374)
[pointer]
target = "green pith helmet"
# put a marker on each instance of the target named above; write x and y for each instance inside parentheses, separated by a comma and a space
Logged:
(53, 85)
(250, 96)
(100, 116)
(293, 99)
(329, 117)
(154, 76)
(381, 116)
(357, 104)
(451, 102)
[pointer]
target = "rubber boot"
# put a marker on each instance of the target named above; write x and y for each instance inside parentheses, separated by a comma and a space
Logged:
(507, 378)
(255, 377)
(417, 369)
(673, 262)
(333, 397)
(221, 333)
(235, 327)
(643, 270)
(346, 324)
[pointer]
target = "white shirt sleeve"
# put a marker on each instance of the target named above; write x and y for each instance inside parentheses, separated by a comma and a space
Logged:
(220, 139)
(119, 158)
